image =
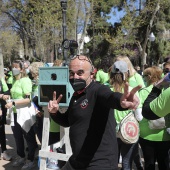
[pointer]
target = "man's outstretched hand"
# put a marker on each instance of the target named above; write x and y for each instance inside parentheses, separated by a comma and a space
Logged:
(53, 105)
(129, 99)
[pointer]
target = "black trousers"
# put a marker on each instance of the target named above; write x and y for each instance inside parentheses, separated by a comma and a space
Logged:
(38, 128)
(19, 135)
(155, 151)
(2, 126)
(2, 134)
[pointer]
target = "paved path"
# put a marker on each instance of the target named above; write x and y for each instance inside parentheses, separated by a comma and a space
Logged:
(7, 165)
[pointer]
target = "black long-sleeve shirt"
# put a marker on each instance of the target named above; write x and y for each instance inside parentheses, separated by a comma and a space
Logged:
(146, 110)
(90, 117)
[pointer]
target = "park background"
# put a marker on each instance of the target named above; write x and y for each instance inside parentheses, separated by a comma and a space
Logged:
(35, 30)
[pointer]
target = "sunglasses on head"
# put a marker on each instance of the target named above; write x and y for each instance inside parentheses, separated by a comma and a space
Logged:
(166, 70)
(81, 57)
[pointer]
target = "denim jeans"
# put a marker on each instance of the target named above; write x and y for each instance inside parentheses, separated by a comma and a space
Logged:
(128, 152)
(138, 160)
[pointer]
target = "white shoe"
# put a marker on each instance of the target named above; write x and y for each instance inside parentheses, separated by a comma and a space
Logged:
(6, 156)
(28, 165)
(18, 161)
(52, 164)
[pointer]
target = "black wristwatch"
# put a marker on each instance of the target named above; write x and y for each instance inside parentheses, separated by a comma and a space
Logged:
(13, 103)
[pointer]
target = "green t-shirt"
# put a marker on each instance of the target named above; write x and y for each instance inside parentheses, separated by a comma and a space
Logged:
(54, 127)
(4, 85)
(21, 87)
(10, 78)
(119, 115)
(102, 77)
(161, 105)
(145, 131)
(34, 90)
(136, 80)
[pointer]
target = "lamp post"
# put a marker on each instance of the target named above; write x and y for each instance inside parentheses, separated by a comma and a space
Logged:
(151, 39)
(59, 52)
(64, 9)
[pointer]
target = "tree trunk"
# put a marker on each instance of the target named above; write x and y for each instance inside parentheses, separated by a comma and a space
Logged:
(144, 55)
(81, 41)
(1, 65)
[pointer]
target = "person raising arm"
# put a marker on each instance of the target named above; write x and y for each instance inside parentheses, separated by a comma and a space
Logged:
(90, 118)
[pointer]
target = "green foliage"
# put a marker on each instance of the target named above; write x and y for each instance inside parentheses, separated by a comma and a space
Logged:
(37, 22)
(8, 42)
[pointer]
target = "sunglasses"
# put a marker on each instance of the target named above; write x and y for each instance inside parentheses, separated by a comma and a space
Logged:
(145, 75)
(166, 70)
(80, 57)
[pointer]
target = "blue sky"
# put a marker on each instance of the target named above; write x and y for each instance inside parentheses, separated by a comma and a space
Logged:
(116, 16)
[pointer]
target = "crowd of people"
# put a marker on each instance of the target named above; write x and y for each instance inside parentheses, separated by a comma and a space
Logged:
(101, 100)
(19, 94)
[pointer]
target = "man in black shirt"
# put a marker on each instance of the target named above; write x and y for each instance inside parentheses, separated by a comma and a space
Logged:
(90, 116)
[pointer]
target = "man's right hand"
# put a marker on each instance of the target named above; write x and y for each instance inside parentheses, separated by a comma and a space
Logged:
(53, 105)
(129, 100)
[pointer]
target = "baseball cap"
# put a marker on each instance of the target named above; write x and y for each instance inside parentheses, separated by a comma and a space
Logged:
(120, 67)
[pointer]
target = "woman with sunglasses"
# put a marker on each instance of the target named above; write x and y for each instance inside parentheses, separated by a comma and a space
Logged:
(166, 67)
(154, 139)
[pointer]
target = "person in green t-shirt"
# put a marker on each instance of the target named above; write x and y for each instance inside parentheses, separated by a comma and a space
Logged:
(134, 80)
(54, 127)
(9, 77)
(21, 101)
(154, 139)
(4, 92)
(38, 126)
(119, 75)
(157, 103)
(166, 67)
(102, 76)
(102, 73)
(54, 132)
